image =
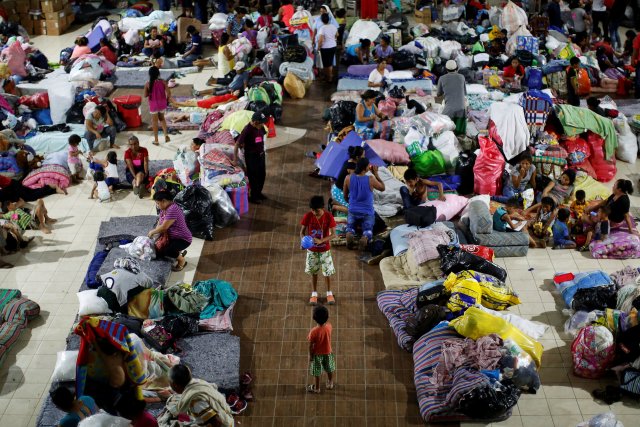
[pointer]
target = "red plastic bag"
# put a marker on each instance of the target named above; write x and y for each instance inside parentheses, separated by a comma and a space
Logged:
(271, 125)
(37, 101)
(481, 251)
(586, 166)
(605, 170)
(488, 168)
(578, 151)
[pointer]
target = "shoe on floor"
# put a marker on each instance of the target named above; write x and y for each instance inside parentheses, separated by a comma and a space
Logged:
(331, 300)
(313, 300)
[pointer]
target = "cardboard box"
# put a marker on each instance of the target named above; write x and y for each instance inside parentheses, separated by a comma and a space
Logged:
(423, 16)
(50, 6)
(38, 30)
(54, 16)
(56, 27)
(69, 19)
(183, 23)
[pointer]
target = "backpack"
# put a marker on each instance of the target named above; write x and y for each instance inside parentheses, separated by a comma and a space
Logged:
(592, 350)
(294, 53)
(420, 216)
(258, 93)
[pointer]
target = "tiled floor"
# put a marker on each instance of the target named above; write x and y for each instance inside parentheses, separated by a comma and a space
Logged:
(260, 257)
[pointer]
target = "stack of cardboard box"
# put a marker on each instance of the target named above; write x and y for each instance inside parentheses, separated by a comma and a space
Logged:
(46, 17)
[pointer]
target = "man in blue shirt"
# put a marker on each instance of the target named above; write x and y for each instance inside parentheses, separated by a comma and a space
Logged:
(194, 48)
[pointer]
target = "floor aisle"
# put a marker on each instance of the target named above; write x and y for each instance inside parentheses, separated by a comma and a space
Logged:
(261, 257)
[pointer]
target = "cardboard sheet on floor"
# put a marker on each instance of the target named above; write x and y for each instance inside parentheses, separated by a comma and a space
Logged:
(334, 156)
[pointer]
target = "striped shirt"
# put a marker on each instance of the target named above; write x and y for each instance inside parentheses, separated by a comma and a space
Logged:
(178, 229)
(19, 217)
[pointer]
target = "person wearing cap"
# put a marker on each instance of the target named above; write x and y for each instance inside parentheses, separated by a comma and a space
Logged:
(452, 87)
(194, 48)
(384, 49)
(251, 141)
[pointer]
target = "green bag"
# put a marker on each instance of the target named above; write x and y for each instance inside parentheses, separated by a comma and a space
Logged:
(258, 93)
(429, 163)
(477, 48)
(274, 90)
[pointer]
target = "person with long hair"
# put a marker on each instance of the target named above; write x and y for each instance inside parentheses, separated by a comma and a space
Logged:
(619, 205)
(107, 50)
(158, 93)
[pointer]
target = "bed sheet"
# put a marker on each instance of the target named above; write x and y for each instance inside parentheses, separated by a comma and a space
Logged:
(53, 142)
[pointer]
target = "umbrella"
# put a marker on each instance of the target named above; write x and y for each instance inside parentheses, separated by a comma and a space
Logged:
(336, 154)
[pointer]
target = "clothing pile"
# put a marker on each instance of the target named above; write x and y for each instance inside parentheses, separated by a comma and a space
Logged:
(604, 324)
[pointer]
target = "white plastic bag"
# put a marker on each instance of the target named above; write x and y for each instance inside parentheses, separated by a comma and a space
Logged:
(464, 61)
(627, 150)
(142, 248)
(362, 29)
(185, 163)
(512, 18)
(102, 419)
(131, 37)
(512, 43)
(607, 419)
(448, 145)
(218, 22)
(450, 49)
(65, 369)
(430, 46)
(263, 35)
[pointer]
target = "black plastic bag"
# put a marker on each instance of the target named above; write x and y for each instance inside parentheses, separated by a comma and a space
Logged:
(343, 114)
(420, 216)
(295, 53)
(491, 401)
(197, 205)
(454, 260)
(180, 325)
(397, 92)
(74, 114)
(425, 319)
(276, 112)
(597, 298)
(259, 107)
(464, 169)
(403, 60)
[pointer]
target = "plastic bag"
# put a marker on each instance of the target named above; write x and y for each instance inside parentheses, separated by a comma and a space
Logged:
(224, 212)
(517, 365)
(294, 86)
(477, 323)
(608, 419)
(38, 100)
(343, 114)
(387, 107)
(464, 294)
(605, 169)
(448, 145)
(429, 163)
(454, 260)
(488, 168)
(481, 251)
(142, 248)
(496, 294)
(464, 169)
(65, 369)
(593, 351)
(579, 320)
(597, 298)
(424, 320)
(186, 165)
(627, 150)
(197, 205)
(102, 419)
(489, 401)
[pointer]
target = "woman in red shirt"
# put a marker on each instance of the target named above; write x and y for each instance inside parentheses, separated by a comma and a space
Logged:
(107, 50)
(137, 160)
(511, 71)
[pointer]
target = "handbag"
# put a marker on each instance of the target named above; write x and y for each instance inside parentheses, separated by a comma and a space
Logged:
(162, 242)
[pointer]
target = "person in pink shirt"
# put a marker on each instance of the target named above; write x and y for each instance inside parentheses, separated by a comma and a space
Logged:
(158, 92)
(81, 48)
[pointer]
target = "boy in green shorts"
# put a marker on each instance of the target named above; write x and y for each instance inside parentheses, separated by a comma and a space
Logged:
(320, 353)
(321, 227)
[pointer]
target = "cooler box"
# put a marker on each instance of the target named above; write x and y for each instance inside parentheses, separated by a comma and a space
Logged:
(129, 107)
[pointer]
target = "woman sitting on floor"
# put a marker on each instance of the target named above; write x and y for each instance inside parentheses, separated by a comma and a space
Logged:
(137, 161)
(368, 116)
(561, 191)
(619, 205)
(172, 228)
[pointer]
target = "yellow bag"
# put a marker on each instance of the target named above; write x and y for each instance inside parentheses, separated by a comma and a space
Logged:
(294, 86)
(567, 52)
(464, 294)
(495, 33)
(496, 294)
(476, 323)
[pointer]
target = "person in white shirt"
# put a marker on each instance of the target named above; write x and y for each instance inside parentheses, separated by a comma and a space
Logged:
(600, 15)
(379, 77)
(327, 44)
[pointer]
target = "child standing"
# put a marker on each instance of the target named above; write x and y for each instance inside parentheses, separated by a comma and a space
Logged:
(560, 231)
(110, 168)
(321, 226)
(320, 353)
(158, 93)
(579, 204)
(341, 19)
(601, 229)
(73, 158)
(100, 188)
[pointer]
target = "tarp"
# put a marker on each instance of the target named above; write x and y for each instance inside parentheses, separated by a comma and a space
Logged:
(334, 156)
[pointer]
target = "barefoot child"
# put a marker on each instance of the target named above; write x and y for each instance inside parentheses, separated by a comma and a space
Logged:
(545, 212)
(110, 168)
(321, 226)
(320, 353)
(415, 191)
(100, 188)
(23, 219)
(601, 229)
(560, 229)
(159, 94)
(73, 158)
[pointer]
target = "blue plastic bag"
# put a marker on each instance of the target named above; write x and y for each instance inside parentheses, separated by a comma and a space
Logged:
(535, 78)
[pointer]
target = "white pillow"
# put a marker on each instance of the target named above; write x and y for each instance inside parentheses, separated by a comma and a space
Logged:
(401, 75)
(91, 303)
(65, 369)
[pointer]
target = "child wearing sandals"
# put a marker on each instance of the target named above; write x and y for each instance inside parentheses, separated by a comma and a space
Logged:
(320, 354)
(321, 226)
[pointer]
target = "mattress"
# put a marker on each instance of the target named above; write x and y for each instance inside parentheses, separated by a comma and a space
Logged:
(393, 304)
(400, 272)
(222, 362)
(498, 239)
(139, 76)
(52, 142)
(118, 228)
(357, 84)
(61, 93)
(158, 269)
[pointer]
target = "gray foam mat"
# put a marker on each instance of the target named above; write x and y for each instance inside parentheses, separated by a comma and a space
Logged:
(213, 357)
(119, 228)
(158, 269)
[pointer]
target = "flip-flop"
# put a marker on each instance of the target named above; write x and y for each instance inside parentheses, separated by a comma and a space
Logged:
(155, 143)
(178, 268)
